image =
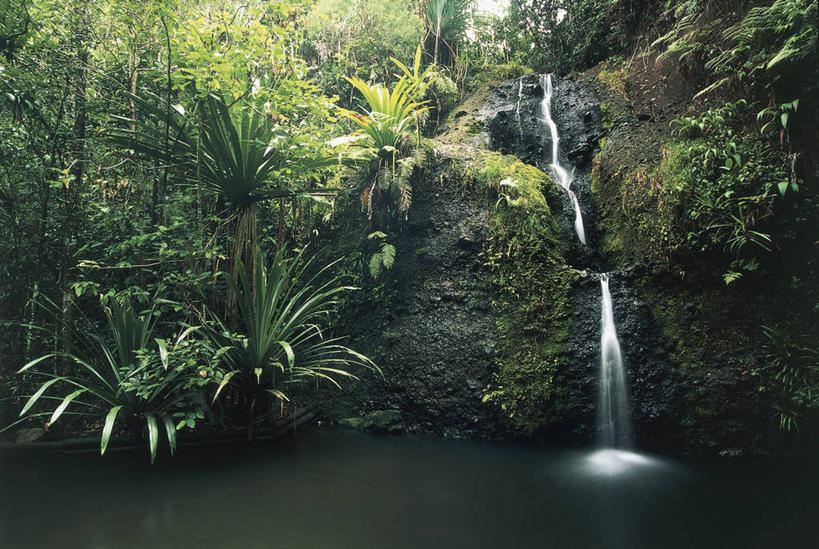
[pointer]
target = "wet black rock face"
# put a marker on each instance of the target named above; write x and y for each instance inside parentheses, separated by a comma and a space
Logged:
(434, 337)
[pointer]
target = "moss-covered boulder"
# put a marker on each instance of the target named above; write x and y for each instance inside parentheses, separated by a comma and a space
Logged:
(379, 421)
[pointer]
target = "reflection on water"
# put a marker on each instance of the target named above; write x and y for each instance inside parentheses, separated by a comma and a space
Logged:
(333, 489)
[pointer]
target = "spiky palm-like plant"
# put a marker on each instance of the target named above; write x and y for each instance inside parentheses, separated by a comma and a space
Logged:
(282, 336)
(446, 20)
(123, 373)
(390, 121)
(238, 160)
(240, 152)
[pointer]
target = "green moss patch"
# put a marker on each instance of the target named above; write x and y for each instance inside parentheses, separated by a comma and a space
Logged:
(533, 303)
(613, 75)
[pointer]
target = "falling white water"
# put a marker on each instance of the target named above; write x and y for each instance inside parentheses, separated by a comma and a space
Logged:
(614, 422)
(517, 109)
(563, 177)
(578, 218)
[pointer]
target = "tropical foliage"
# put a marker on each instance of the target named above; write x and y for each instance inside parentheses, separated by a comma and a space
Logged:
(146, 147)
(728, 184)
(391, 125)
(794, 364)
(153, 153)
(281, 338)
(358, 38)
(446, 23)
(123, 373)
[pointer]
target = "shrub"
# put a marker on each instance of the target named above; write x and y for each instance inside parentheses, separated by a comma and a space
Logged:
(281, 338)
(725, 180)
(126, 373)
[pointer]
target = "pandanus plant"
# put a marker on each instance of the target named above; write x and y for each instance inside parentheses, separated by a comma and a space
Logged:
(392, 119)
(282, 337)
(238, 160)
(124, 373)
(241, 148)
(446, 20)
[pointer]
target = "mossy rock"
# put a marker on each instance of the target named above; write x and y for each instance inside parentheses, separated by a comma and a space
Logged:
(532, 302)
(380, 421)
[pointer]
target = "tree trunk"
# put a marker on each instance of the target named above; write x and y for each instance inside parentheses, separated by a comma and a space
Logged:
(437, 39)
(72, 192)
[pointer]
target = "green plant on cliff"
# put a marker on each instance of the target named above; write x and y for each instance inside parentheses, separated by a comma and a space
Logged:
(726, 181)
(391, 142)
(613, 75)
(533, 284)
(794, 365)
(768, 54)
(771, 41)
(383, 257)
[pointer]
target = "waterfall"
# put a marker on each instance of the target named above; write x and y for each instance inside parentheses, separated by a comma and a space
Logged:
(578, 218)
(614, 428)
(614, 421)
(517, 109)
(563, 177)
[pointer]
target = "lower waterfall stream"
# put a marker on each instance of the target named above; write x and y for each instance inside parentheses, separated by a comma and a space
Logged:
(614, 421)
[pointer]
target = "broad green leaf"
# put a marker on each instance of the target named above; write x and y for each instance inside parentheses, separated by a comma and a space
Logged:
(153, 434)
(170, 430)
(38, 394)
(278, 394)
(224, 382)
(66, 401)
(108, 427)
(185, 334)
(37, 361)
(388, 255)
(288, 350)
(163, 352)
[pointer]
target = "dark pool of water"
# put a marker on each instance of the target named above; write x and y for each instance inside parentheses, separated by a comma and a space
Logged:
(335, 489)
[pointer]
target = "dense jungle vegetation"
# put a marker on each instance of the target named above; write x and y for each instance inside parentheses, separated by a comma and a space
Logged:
(169, 170)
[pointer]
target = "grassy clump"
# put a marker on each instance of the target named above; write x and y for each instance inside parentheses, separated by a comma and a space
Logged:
(613, 75)
(497, 73)
(532, 304)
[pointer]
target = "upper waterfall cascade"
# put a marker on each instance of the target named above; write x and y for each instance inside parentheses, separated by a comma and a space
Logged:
(563, 177)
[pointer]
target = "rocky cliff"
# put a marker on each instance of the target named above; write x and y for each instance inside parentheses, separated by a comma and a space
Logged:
(489, 325)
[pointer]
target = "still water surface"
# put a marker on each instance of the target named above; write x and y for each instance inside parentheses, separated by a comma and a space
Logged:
(337, 489)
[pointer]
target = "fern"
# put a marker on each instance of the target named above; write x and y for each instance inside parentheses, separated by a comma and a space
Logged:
(384, 258)
(767, 43)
